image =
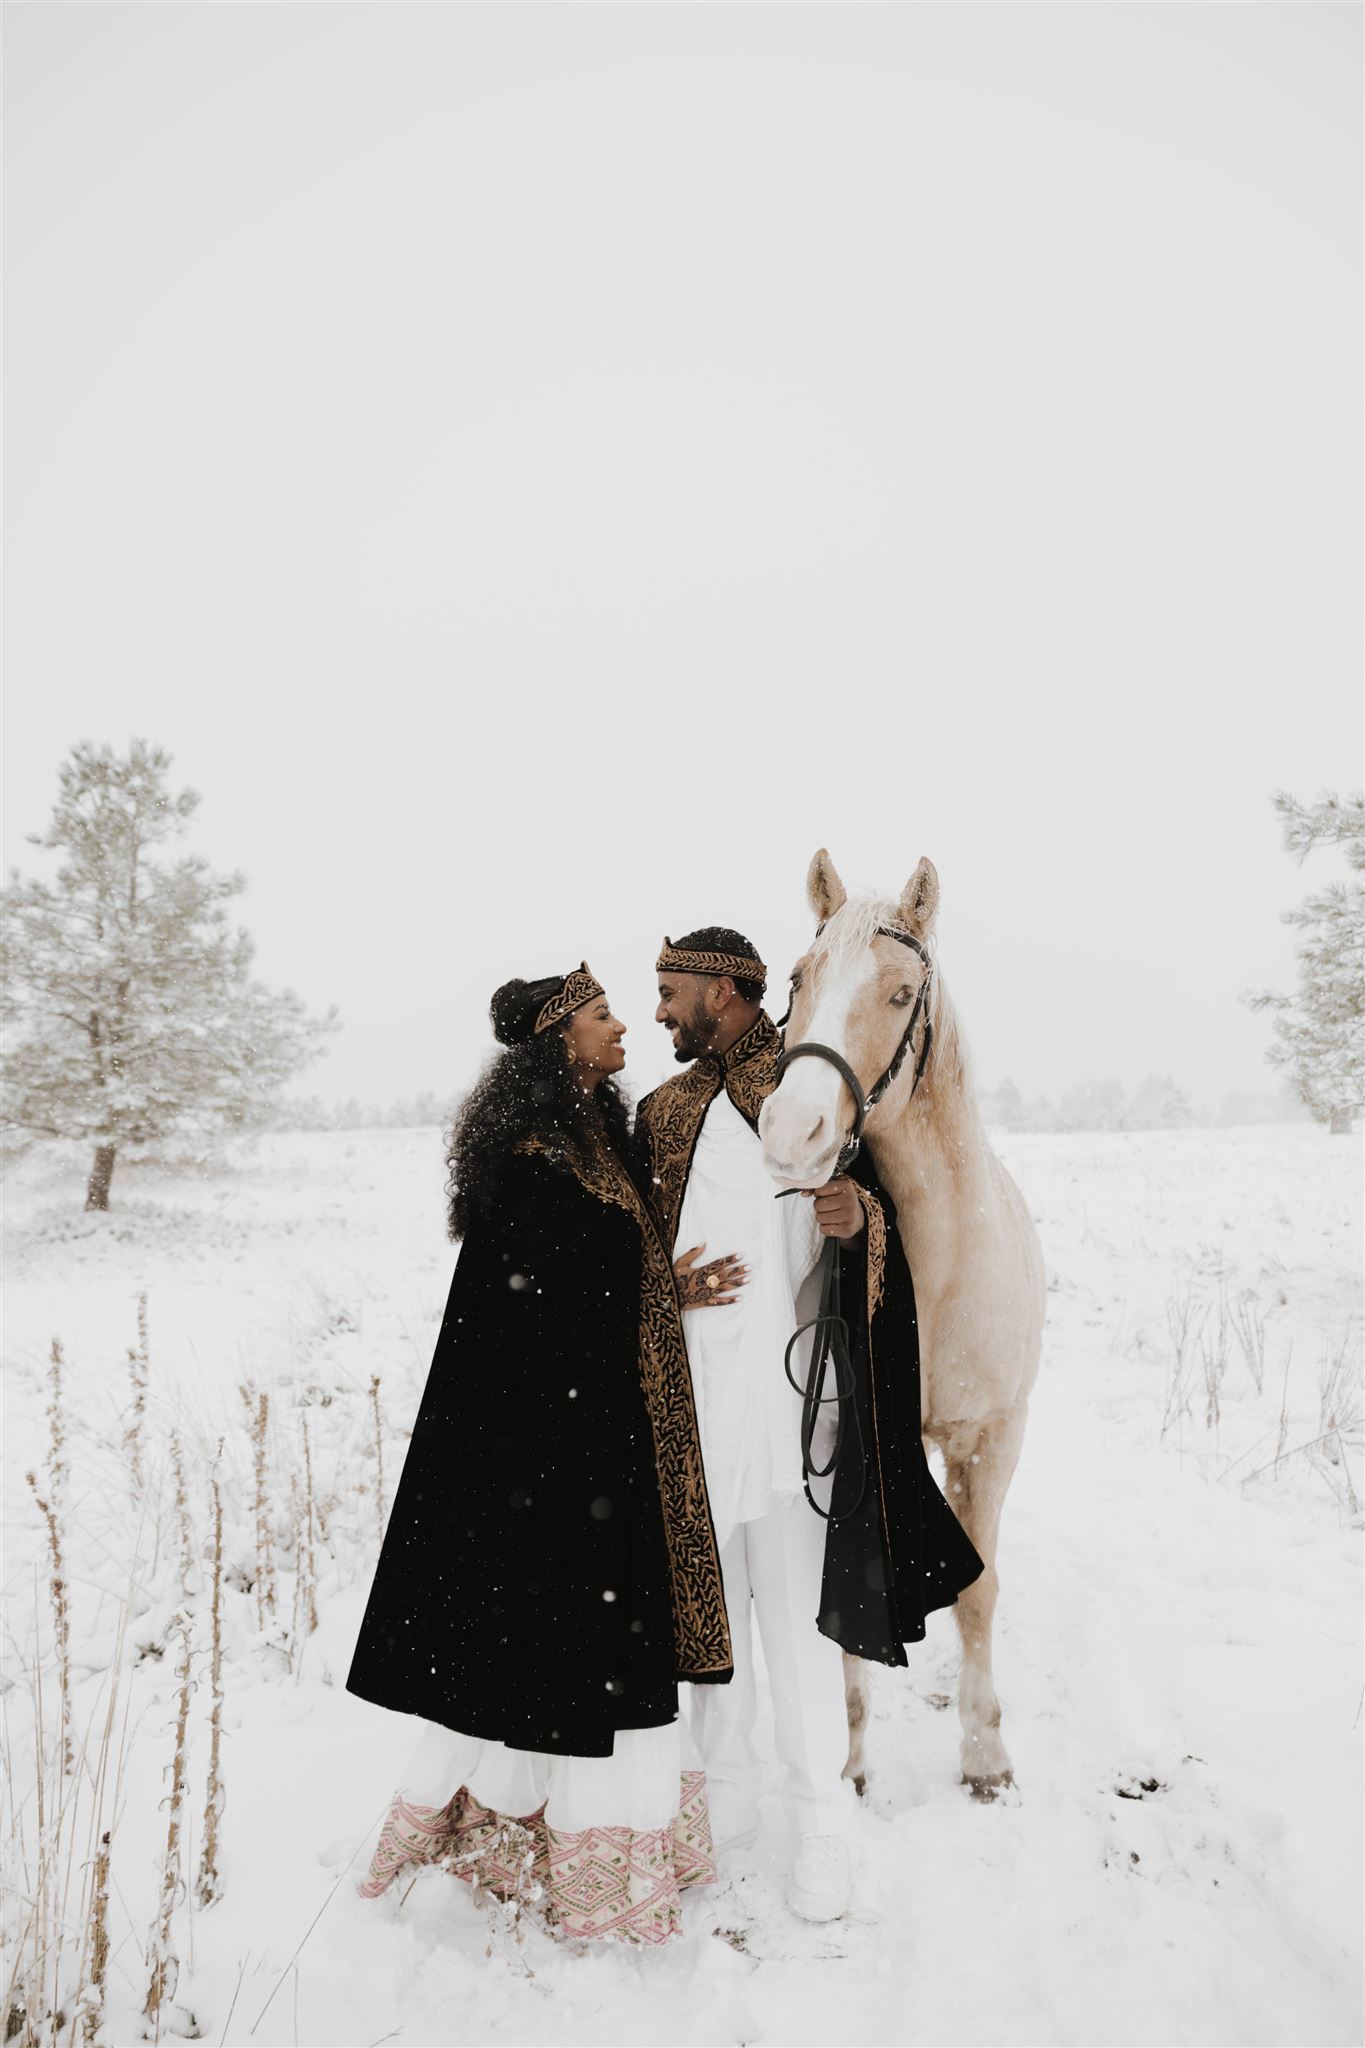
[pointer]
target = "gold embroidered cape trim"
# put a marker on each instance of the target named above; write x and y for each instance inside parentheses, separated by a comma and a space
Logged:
(682, 960)
(876, 1246)
(579, 987)
(701, 1632)
(672, 1115)
(672, 1118)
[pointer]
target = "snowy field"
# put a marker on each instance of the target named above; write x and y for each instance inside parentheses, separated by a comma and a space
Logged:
(1178, 1653)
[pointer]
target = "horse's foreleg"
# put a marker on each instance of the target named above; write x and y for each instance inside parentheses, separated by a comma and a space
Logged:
(855, 1699)
(979, 1470)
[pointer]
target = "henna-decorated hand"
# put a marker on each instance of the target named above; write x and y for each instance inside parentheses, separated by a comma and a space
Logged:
(713, 1285)
(838, 1211)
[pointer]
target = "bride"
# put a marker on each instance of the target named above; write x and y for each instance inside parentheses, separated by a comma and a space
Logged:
(549, 1573)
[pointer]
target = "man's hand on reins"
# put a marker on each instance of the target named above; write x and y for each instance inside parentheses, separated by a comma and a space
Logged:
(713, 1285)
(838, 1211)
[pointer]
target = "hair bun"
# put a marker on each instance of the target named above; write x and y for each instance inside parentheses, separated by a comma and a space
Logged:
(507, 1012)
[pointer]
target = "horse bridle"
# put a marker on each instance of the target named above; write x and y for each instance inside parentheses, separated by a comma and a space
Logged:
(811, 1048)
(829, 1349)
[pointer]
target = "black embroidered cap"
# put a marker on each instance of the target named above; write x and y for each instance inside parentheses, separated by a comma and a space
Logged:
(714, 950)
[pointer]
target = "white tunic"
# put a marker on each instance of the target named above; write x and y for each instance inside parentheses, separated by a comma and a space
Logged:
(748, 1416)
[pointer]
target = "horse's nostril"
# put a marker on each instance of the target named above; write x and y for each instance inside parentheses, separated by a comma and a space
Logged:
(815, 1129)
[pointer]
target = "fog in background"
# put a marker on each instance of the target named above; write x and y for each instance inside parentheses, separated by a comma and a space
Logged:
(543, 471)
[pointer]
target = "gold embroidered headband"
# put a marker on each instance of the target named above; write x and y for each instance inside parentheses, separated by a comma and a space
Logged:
(579, 987)
(679, 960)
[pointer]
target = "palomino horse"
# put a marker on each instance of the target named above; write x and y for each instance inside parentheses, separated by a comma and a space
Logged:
(974, 1253)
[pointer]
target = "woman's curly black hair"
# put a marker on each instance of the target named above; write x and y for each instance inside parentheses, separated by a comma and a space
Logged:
(525, 1091)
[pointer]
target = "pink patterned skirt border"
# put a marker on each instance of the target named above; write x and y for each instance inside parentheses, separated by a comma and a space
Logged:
(598, 1884)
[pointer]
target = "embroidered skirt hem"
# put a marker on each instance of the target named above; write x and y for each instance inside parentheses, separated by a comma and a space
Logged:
(594, 1883)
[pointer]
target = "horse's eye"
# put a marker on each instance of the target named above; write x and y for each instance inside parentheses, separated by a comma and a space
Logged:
(796, 983)
(903, 998)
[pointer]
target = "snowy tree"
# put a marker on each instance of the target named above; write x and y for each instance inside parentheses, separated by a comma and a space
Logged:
(129, 1009)
(1320, 1031)
(1097, 1106)
(1159, 1105)
(1004, 1106)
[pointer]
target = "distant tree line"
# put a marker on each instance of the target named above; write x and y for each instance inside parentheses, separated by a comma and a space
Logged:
(311, 1113)
(1156, 1104)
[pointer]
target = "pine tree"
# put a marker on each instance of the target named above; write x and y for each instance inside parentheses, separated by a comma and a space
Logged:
(129, 1009)
(1320, 1032)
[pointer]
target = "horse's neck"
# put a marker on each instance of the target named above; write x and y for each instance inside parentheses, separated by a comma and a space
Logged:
(932, 1155)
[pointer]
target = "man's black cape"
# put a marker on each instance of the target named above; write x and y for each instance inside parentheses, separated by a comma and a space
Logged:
(901, 1552)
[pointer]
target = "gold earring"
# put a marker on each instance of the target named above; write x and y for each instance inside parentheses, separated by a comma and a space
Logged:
(572, 1055)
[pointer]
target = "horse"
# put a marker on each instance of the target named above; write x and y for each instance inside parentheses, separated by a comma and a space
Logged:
(973, 1250)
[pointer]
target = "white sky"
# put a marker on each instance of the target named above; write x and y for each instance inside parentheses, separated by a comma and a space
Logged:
(543, 471)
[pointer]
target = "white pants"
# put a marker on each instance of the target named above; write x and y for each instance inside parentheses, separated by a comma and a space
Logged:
(772, 1569)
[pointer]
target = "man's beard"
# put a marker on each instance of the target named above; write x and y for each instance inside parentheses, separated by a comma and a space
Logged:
(694, 1037)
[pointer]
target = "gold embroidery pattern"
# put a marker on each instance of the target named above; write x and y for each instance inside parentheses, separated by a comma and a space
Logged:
(672, 1115)
(701, 1633)
(751, 1067)
(680, 960)
(876, 1247)
(579, 987)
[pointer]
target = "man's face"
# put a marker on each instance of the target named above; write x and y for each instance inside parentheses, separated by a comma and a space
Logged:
(684, 1014)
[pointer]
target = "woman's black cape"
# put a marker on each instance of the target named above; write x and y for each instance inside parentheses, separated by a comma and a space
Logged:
(549, 1571)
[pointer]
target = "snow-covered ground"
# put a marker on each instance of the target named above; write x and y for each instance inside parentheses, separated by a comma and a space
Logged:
(1178, 1650)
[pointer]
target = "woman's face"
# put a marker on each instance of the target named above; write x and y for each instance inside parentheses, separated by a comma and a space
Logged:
(593, 1036)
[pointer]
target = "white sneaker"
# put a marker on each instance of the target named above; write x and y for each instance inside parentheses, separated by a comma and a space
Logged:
(821, 1878)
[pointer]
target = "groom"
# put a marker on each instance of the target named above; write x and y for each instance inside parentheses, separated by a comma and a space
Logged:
(711, 1189)
(864, 1580)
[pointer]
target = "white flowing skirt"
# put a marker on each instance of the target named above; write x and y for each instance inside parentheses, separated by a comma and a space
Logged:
(635, 1787)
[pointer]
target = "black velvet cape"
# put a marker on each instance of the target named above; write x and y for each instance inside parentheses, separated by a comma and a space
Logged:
(901, 1552)
(549, 1570)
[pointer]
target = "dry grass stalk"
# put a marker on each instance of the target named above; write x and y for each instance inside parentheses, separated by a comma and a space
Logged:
(1249, 1321)
(1282, 1429)
(308, 1573)
(139, 1371)
(94, 1916)
(56, 1430)
(1185, 1317)
(1213, 1357)
(378, 1455)
(182, 1516)
(161, 1958)
(61, 1616)
(98, 1936)
(1341, 1412)
(209, 1886)
(258, 1420)
(53, 1513)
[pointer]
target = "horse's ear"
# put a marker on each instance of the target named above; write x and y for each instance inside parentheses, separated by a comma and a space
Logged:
(919, 900)
(823, 887)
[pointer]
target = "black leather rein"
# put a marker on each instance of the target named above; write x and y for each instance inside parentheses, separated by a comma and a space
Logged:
(830, 1345)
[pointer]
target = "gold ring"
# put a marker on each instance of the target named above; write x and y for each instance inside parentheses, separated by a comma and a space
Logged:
(712, 1282)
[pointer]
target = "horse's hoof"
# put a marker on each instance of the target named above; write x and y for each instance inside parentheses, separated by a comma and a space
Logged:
(985, 1790)
(860, 1785)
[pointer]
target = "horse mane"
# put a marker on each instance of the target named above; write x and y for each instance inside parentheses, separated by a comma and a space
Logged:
(850, 933)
